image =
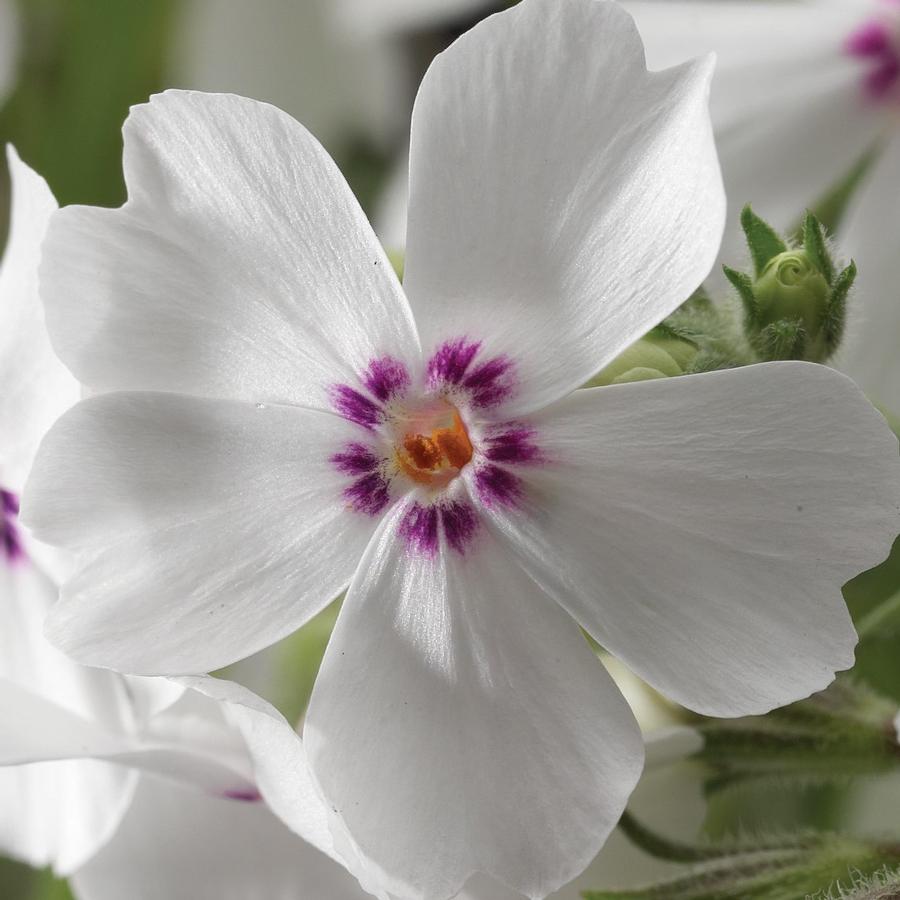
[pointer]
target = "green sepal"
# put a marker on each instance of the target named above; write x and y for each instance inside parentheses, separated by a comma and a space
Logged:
(785, 339)
(836, 314)
(816, 248)
(764, 241)
(743, 284)
(714, 330)
(846, 730)
(881, 885)
(795, 305)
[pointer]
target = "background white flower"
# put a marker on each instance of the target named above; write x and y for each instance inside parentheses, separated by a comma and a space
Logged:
(563, 201)
(803, 89)
(35, 387)
(294, 55)
(140, 784)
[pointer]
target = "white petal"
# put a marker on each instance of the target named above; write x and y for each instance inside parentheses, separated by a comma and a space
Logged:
(34, 729)
(35, 387)
(52, 707)
(61, 813)
(279, 758)
(276, 762)
(193, 742)
(283, 775)
(670, 800)
(206, 529)
(241, 265)
(701, 527)
(562, 199)
(54, 813)
(151, 696)
(870, 237)
(494, 739)
(177, 844)
(787, 104)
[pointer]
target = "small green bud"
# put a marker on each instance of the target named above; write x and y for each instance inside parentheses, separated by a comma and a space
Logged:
(794, 303)
(658, 354)
(791, 287)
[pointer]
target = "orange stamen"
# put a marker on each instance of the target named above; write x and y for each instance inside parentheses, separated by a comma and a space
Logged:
(424, 452)
(434, 458)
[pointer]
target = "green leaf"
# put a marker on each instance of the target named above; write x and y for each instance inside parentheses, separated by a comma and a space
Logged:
(816, 248)
(882, 622)
(764, 242)
(829, 209)
(776, 867)
(877, 661)
(843, 731)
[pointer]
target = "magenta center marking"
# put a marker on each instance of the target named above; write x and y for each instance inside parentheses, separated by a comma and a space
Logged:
(249, 795)
(12, 548)
(419, 435)
(877, 44)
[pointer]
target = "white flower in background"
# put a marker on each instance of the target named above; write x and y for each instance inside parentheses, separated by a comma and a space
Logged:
(287, 421)
(176, 843)
(108, 777)
(35, 387)
(293, 55)
(61, 800)
(803, 89)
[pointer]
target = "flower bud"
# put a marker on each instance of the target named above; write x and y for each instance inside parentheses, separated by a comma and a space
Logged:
(653, 356)
(795, 303)
(791, 287)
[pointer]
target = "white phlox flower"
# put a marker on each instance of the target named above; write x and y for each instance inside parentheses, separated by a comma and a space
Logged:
(210, 747)
(803, 89)
(282, 421)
